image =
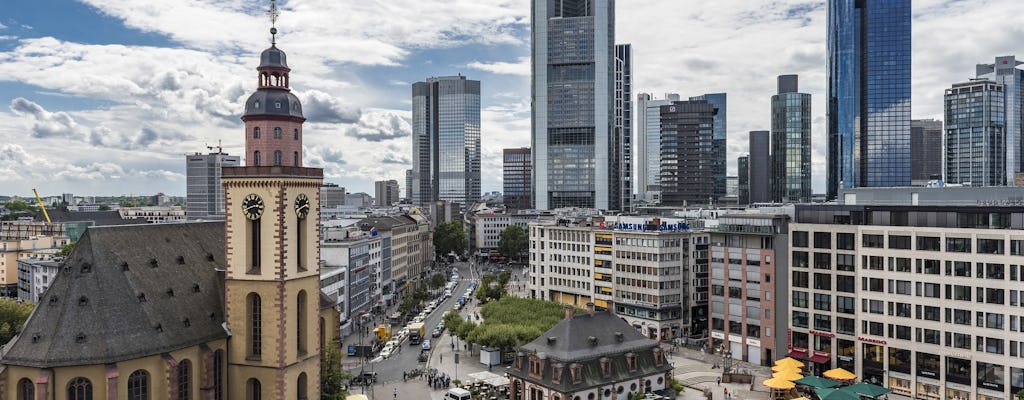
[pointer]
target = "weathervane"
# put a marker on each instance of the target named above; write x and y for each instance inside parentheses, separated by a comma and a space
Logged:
(274, 14)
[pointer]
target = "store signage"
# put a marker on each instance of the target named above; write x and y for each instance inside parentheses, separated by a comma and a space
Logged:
(718, 335)
(734, 338)
(665, 226)
(754, 342)
(870, 340)
(823, 334)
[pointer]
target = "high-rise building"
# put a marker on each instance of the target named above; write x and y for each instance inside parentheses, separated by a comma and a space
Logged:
(386, 193)
(925, 151)
(648, 141)
(791, 143)
(976, 134)
(743, 180)
(718, 144)
(868, 50)
(760, 174)
(572, 42)
(622, 147)
(687, 157)
(1005, 71)
(332, 195)
(204, 193)
(516, 173)
(408, 184)
(446, 140)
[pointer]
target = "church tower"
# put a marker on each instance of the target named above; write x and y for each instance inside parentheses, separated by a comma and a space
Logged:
(272, 287)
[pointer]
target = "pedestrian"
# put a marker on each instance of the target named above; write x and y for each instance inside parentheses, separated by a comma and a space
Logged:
(396, 393)
(440, 358)
(725, 392)
(404, 377)
(719, 381)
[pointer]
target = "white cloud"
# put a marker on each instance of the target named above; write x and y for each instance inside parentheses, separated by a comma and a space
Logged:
(520, 68)
(380, 125)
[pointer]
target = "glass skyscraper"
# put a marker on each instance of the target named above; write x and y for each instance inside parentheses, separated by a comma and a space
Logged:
(622, 165)
(648, 141)
(719, 101)
(446, 140)
(687, 175)
(1005, 71)
(976, 133)
(516, 183)
(573, 92)
(791, 143)
(868, 72)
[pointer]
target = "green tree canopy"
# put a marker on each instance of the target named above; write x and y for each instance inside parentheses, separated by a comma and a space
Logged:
(332, 379)
(513, 241)
(66, 250)
(449, 237)
(492, 287)
(509, 322)
(437, 281)
(12, 317)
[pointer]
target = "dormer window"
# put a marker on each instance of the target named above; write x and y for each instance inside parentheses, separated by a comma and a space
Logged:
(556, 373)
(277, 104)
(631, 362)
(659, 356)
(576, 371)
(606, 367)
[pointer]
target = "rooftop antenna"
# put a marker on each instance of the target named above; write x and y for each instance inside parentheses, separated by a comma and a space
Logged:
(274, 14)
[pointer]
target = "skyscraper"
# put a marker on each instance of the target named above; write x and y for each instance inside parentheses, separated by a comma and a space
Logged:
(386, 193)
(760, 176)
(719, 145)
(648, 141)
(622, 159)
(1006, 73)
(975, 133)
(573, 90)
(408, 184)
(332, 195)
(516, 178)
(205, 195)
(743, 180)
(687, 157)
(791, 143)
(925, 151)
(446, 140)
(868, 50)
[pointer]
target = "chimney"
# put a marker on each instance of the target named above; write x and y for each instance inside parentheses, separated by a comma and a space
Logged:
(590, 309)
(569, 312)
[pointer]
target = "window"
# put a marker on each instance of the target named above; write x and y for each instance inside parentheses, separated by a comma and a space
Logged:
(900, 264)
(931, 313)
(1017, 247)
(931, 267)
(300, 324)
(295, 134)
(845, 284)
(799, 319)
(255, 326)
(800, 239)
(961, 268)
(845, 305)
(823, 240)
(823, 322)
(958, 370)
(26, 389)
(845, 241)
(256, 132)
(822, 261)
(823, 281)
(80, 389)
(256, 158)
(184, 380)
(903, 287)
(990, 246)
(822, 302)
(800, 259)
(800, 299)
(995, 271)
(138, 385)
(928, 243)
(277, 157)
(295, 159)
(874, 241)
(253, 390)
(800, 279)
(302, 387)
(218, 375)
(899, 242)
(961, 293)
(844, 262)
(958, 245)
(845, 326)
(277, 133)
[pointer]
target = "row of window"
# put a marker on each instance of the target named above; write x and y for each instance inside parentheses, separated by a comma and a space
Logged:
(277, 133)
(846, 241)
(138, 383)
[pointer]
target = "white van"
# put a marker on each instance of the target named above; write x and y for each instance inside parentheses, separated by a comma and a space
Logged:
(458, 394)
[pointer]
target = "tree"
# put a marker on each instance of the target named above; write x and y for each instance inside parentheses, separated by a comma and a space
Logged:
(449, 238)
(1020, 395)
(509, 322)
(104, 207)
(332, 379)
(513, 241)
(437, 281)
(12, 317)
(66, 250)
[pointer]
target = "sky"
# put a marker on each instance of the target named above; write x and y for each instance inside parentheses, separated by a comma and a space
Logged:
(105, 97)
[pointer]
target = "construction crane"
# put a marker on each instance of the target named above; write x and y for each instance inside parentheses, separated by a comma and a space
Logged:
(219, 147)
(41, 206)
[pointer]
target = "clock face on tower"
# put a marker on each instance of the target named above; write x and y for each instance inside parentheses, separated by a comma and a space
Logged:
(252, 207)
(302, 205)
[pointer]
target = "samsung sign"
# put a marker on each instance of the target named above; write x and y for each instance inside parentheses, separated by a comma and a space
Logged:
(665, 226)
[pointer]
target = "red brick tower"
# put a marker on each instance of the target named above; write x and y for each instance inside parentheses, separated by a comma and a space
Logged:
(273, 116)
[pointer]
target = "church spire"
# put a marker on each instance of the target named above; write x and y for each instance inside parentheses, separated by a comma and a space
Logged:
(274, 14)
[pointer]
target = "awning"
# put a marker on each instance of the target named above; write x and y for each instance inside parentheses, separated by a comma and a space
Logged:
(820, 358)
(799, 354)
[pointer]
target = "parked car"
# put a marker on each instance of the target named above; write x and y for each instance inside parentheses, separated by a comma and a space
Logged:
(426, 345)
(437, 332)
(363, 379)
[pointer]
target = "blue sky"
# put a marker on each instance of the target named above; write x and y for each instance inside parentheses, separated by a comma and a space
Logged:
(105, 96)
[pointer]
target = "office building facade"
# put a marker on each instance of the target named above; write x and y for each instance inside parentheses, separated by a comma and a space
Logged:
(517, 174)
(573, 90)
(687, 174)
(446, 140)
(718, 143)
(204, 193)
(1006, 71)
(976, 134)
(743, 180)
(791, 143)
(332, 195)
(926, 151)
(622, 159)
(386, 193)
(760, 175)
(648, 141)
(868, 77)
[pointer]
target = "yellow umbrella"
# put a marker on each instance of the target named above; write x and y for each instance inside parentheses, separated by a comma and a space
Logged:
(776, 383)
(840, 374)
(801, 398)
(780, 368)
(787, 375)
(790, 362)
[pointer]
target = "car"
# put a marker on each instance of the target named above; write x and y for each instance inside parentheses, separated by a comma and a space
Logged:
(423, 356)
(437, 332)
(364, 378)
(426, 344)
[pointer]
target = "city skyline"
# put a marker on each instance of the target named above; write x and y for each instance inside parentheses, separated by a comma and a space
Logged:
(88, 84)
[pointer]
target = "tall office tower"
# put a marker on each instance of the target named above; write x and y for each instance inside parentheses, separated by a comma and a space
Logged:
(517, 174)
(446, 140)
(408, 184)
(332, 195)
(975, 133)
(687, 156)
(760, 167)
(791, 143)
(622, 158)
(743, 180)
(204, 193)
(718, 145)
(925, 151)
(868, 94)
(1006, 73)
(648, 141)
(386, 193)
(573, 92)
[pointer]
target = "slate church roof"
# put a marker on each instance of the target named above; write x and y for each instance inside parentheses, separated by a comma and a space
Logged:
(127, 292)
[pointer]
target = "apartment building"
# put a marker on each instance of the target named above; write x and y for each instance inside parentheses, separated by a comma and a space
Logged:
(12, 250)
(647, 271)
(358, 253)
(487, 229)
(925, 299)
(35, 274)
